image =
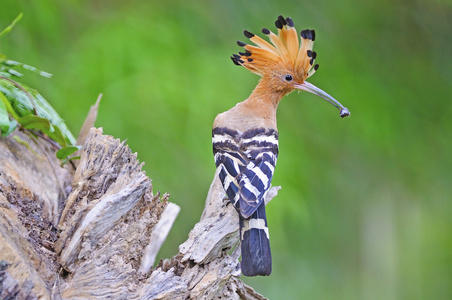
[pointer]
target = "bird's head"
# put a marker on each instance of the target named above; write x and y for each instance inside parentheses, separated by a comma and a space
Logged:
(285, 63)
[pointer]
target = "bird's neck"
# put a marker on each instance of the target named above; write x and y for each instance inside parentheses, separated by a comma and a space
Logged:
(264, 101)
(265, 95)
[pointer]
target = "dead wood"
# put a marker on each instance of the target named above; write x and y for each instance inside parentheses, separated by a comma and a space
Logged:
(94, 233)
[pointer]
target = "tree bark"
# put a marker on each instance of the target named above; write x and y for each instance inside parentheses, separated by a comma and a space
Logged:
(94, 233)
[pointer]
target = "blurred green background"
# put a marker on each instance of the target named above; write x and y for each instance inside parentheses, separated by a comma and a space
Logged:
(365, 209)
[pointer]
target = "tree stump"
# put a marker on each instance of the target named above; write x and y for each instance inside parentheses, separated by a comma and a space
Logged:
(94, 233)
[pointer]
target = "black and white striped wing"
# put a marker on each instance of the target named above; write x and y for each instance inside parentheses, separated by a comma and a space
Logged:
(247, 161)
(261, 148)
(230, 160)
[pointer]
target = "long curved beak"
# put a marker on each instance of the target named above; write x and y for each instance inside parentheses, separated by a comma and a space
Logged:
(306, 86)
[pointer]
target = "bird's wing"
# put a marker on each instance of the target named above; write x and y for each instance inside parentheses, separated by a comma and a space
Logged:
(230, 160)
(247, 161)
(261, 148)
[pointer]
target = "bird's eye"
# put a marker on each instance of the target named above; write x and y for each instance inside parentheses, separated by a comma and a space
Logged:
(288, 77)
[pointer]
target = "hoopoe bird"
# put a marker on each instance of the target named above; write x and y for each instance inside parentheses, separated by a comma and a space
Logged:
(245, 138)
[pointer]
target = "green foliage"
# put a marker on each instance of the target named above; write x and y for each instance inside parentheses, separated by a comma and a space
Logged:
(8, 28)
(63, 153)
(22, 105)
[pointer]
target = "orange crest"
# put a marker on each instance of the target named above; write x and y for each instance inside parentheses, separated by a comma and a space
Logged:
(284, 51)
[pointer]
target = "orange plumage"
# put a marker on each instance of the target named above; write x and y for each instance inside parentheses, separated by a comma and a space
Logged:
(284, 63)
(284, 52)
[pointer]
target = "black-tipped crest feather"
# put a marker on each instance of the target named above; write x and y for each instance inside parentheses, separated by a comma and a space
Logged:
(284, 51)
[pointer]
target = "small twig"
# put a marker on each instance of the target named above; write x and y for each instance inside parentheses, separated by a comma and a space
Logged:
(54, 144)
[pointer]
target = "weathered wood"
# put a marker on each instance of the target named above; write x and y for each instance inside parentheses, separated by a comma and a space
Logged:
(32, 187)
(110, 229)
(109, 223)
(158, 236)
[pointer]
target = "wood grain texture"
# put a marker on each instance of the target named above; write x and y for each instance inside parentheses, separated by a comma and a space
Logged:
(95, 233)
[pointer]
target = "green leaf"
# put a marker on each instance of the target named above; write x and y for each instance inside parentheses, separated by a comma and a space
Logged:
(38, 123)
(66, 160)
(46, 110)
(8, 106)
(4, 118)
(8, 29)
(6, 126)
(24, 101)
(12, 126)
(66, 151)
(57, 136)
(43, 124)
(35, 122)
(18, 98)
(9, 64)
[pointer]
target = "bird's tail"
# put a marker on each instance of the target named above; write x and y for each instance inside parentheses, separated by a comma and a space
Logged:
(255, 244)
